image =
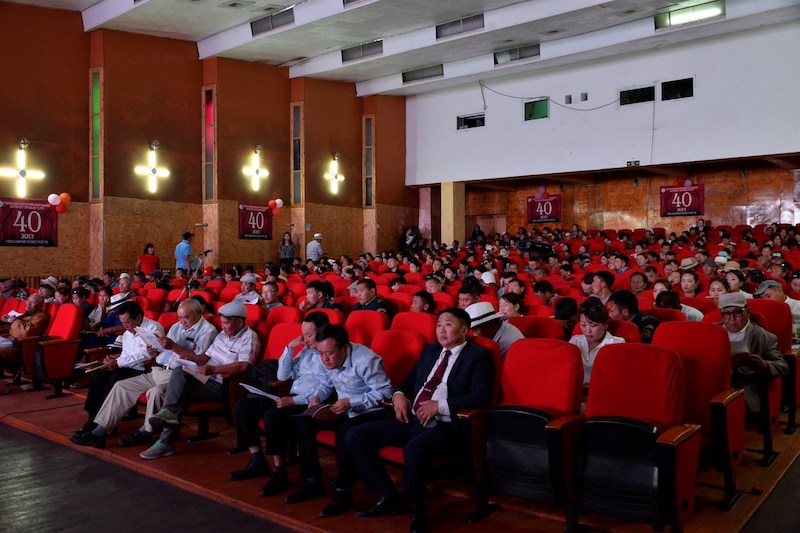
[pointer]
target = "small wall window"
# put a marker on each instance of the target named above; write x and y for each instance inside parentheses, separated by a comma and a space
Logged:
(297, 154)
(672, 90)
(466, 122)
(537, 109)
(637, 96)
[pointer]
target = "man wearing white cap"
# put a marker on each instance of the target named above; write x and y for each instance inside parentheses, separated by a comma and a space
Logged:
(248, 294)
(314, 248)
(47, 289)
(755, 350)
(231, 354)
(486, 322)
(125, 287)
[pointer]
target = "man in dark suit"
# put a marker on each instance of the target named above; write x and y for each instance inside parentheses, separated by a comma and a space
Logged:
(451, 376)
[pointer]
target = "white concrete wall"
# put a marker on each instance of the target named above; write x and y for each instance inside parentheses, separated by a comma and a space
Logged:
(746, 102)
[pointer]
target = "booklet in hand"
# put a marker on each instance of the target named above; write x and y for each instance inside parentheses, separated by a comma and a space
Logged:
(260, 392)
(321, 411)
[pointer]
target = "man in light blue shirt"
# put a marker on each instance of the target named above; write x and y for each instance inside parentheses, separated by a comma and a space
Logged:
(361, 384)
(183, 251)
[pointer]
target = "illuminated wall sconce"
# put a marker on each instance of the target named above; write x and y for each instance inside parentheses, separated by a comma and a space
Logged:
(152, 170)
(254, 171)
(21, 173)
(333, 173)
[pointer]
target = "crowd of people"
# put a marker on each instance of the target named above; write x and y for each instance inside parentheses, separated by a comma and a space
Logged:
(586, 280)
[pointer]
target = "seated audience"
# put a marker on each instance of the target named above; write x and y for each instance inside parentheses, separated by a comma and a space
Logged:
(510, 305)
(468, 295)
(717, 287)
(689, 284)
(623, 305)
(544, 291)
(308, 381)
(232, 353)
(361, 384)
(32, 323)
(188, 338)
(773, 290)
(488, 323)
(248, 294)
(566, 312)
(602, 281)
(368, 299)
(451, 376)
(638, 282)
(270, 295)
(671, 300)
(319, 295)
(422, 302)
(593, 320)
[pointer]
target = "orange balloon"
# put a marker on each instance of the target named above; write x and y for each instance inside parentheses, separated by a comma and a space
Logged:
(61, 208)
(276, 211)
(65, 198)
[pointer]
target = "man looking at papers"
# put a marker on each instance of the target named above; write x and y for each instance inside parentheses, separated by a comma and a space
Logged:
(186, 341)
(310, 384)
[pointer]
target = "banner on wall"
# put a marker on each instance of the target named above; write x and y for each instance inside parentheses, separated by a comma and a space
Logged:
(682, 201)
(27, 223)
(255, 222)
(543, 209)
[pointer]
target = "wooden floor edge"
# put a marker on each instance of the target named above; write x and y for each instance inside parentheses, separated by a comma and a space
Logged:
(149, 471)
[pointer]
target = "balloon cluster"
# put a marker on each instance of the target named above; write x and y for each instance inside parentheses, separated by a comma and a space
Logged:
(684, 182)
(541, 194)
(59, 201)
(275, 206)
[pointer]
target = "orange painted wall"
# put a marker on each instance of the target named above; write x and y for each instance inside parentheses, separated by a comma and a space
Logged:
(151, 91)
(332, 123)
(390, 152)
(44, 54)
(252, 107)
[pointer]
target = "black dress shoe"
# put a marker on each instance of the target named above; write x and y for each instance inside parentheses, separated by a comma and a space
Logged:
(312, 488)
(88, 439)
(278, 483)
(341, 502)
(252, 470)
(385, 506)
(419, 522)
(136, 439)
(88, 427)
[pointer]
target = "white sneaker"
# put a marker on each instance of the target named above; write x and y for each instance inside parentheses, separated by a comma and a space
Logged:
(158, 450)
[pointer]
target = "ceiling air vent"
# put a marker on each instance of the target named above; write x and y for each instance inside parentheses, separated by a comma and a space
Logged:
(424, 73)
(272, 22)
(448, 29)
(467, 122)
(362, 50)
(516, 54)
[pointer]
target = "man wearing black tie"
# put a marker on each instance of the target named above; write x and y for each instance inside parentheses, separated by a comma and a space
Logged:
(452, 375)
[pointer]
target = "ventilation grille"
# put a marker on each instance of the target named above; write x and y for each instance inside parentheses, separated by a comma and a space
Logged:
(448, 29)
(272, 22)
(516, 54)
(466, 122)
(362, 50)
(423, 73)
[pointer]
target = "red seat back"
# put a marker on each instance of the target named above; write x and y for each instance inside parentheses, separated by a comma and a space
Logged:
(779, 320)
(422, 323)
(281, 314)
(399, 302)
(537, 327)
(279, 337)
(667, 315)
(704, 305)
(67, 322)
(543, 373)
(370, 322)
(168, 319)
(399, 350)
(334, 315)
(654, 396)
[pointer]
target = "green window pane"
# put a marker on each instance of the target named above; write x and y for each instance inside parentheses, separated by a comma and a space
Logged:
(95, 177)
(537, 109)
(95, 93)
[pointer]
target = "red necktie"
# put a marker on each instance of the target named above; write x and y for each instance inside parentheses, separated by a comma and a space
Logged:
(436, 379)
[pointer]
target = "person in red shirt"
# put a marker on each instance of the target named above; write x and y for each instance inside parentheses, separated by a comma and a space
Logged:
(148, 260)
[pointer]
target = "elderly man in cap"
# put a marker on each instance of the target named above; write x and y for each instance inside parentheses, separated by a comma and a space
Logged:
(183, 251)
(47, 289)
(755, 350)
(232, 353)
(248, 294)
(30, 324)
(186, 340)
(125, 286)
(314, 248)
(11, 289)
(486, 322)
(773, 290)
(710, 268)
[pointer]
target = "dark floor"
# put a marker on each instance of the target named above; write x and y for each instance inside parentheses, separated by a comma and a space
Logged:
(84, 494)
(778, 513)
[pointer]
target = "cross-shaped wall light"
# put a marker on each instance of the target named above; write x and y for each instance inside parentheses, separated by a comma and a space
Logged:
(152, 171)
(22, 174)
(333, 173)
(255, 171)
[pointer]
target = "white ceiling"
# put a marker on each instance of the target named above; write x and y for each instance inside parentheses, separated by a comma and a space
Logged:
(569, 31)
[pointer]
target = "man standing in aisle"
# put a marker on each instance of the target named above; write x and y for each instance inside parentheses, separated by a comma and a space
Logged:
(314, 248)
(183, 251)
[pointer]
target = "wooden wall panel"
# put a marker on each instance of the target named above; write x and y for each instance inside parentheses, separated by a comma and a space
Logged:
(341, 227)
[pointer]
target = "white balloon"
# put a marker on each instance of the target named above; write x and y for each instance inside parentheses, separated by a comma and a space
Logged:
(279, 202)
(54, 199)
(1, 204)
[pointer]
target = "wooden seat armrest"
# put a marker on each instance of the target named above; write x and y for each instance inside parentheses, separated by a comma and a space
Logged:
(56, 342)
(97, 351)
(727, 396)
(677, 435)
(472, 414)
(565, 422)
(281, 387)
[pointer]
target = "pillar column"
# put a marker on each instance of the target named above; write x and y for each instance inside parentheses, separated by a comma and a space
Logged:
(453, 203)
